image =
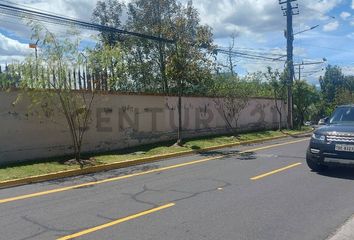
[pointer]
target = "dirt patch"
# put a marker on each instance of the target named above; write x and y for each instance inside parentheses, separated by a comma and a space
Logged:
(84, 162)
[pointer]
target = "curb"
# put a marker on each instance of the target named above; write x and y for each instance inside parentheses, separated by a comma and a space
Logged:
(124, 164)
(345, 232)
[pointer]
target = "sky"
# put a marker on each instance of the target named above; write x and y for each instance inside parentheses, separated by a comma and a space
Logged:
(257, 24)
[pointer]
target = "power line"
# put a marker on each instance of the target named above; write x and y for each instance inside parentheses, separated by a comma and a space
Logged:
(50, 18)
(254, 51)
(246, 55)
(35, 9)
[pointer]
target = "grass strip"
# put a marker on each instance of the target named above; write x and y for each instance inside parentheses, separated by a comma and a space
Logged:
(47, 166)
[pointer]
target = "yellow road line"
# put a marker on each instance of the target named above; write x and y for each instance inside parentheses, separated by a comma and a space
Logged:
(105, 181)
(275, 145)
(116, 222)
(57, 190)
(275, 171)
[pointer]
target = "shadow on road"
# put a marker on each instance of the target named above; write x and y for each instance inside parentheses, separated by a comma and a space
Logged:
(297, 136)
(231, 153)
(339, 172)
(221, 152)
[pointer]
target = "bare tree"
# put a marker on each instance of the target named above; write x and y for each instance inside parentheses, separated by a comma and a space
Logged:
(232, 97)
(228, 62)
(278, 85)
(52, 91)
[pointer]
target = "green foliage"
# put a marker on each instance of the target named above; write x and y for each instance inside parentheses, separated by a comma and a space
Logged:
(336, 89)
(330, 83)
(108, 61)
(10, 78)
(232, 97)
(345, 95)
(257, 84)
(108, 13)
(305, 97)
(55, 97)
(277, 83)
(158, 66)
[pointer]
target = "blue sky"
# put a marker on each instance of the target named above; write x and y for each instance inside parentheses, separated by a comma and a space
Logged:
(257, 24)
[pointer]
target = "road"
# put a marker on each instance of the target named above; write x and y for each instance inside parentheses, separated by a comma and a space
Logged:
(263, 191)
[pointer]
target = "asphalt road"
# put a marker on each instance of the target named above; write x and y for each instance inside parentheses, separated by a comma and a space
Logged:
(263, 191)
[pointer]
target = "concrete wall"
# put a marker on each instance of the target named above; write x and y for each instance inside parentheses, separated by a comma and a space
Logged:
(119, 121)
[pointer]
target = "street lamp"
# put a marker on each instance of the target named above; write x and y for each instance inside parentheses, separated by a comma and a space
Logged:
(35, 47)
(311, 28)
(86, 81)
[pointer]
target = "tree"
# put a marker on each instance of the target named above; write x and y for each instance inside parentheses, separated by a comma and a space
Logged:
(10, 78)
(189, 66)
(305, 96)
(258, 84)
(345, 95)
(277, 83)
(232, 96)
(151, 61)
(330, 83)
(108, 61)
(108, 13)
(152, 17)
(51, 91)
(228, 63)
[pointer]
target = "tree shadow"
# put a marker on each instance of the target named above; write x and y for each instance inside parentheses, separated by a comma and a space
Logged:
(244, 156)
(230, 153)
(307, 134)
(220, 152)
(194, 147)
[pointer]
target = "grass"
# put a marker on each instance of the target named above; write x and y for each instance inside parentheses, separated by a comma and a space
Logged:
(34, 168)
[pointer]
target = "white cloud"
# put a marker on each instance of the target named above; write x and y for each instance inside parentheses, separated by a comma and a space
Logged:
(249, 18)
(12, 50)
(332, 26)
(10, 46)
(258, 22)
(345, 15)
(225, 16)
(348, 70)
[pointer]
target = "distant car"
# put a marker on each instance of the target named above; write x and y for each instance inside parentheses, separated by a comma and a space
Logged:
(308, 123)
(322, 121)
(334, 142)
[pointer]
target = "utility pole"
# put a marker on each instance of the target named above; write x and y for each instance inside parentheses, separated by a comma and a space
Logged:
(289, 13)
(299, 72)
(308, 63)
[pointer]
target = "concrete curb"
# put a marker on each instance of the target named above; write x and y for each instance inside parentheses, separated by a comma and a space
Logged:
(112, 166)
(346, 232)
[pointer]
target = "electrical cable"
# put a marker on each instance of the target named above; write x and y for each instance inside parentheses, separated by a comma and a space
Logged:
(46, 17)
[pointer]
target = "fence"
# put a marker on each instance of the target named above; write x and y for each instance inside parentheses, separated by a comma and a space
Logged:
(76, 78)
